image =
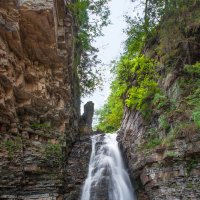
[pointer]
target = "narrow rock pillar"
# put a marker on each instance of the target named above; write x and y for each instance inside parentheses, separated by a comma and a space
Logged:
(85, 124)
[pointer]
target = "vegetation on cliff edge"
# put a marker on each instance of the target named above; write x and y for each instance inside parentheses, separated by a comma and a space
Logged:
(139, 71)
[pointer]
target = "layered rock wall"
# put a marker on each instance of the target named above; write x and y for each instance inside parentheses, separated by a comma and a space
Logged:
(161, 173)
(77, 167)
(39, 98)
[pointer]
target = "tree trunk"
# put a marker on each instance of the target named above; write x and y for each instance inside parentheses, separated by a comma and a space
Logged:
(146, 18)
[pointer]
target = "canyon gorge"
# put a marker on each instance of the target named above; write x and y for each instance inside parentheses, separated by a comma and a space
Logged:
(45, 142)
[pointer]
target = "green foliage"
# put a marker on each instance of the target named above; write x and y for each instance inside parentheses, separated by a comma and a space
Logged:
(134, 85)
(142, 29)
(79, 9)
(169, 139)
(193, 70)
(53, 155)
(157, 22)
(111, 114)
(193, 74)
(151, 133)
(160, 101)
(163, 122)
(11, 146)
(135, 82)
(191, 164)
(156, 10)
(90, 17)
(136, 79)
(136, 35)
(152, 139)
(145, 86)
(196, 116)
(45, 126)
(193, 98)
(152, 143)
(171, 154)
(181, 129)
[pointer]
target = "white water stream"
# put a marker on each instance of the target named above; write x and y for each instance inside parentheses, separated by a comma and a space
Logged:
(107, 177)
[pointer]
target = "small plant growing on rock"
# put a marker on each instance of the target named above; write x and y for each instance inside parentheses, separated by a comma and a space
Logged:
(185, 129)
(160, 101)
(11, 147)
(151, 144)
(191, 164)
(45, 126)
(171, 154)
(196, 116)
(53, 155)
(193, 70)
(168, 140)
(163, 123)
(151, 133)
(190, 185)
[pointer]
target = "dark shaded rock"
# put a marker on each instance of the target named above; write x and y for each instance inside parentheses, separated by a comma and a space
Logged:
(85, 123)
(77, 167)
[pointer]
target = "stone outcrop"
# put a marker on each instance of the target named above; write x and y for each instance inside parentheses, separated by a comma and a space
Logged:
(85, 123)
(39, 98)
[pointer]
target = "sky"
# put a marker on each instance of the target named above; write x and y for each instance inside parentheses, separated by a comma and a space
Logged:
(110, 46)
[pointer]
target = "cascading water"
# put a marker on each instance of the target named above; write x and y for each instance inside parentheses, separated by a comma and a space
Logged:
(107, 177)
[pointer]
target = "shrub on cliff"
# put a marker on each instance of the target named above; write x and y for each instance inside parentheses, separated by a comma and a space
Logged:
(159, 33)
(53, 155)
(134, 86)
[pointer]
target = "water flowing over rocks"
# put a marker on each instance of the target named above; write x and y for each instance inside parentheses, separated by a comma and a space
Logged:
(107, 177)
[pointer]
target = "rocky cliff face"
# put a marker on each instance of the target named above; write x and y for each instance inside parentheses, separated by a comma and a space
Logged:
(77, 167)
(163, 151)
(163, 172)
(39, 98)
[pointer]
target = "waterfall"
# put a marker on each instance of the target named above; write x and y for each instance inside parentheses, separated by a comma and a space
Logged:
(107, 177)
